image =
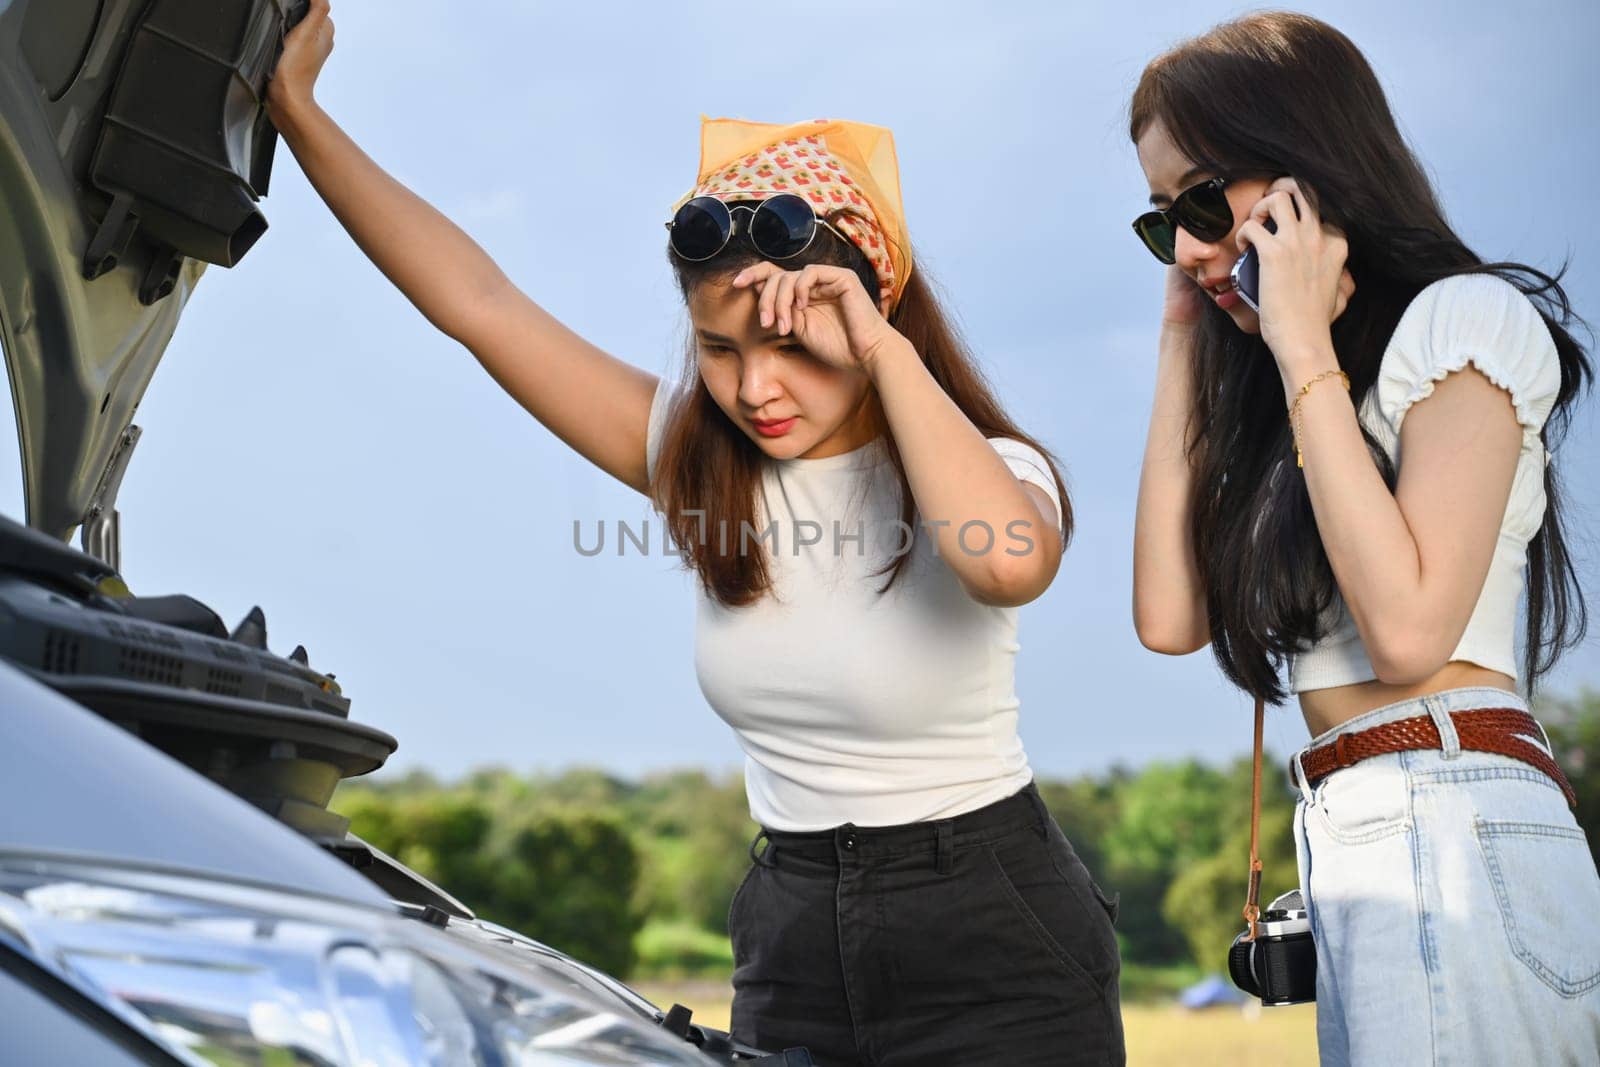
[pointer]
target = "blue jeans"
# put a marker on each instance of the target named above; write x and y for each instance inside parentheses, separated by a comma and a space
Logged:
(1454, 902)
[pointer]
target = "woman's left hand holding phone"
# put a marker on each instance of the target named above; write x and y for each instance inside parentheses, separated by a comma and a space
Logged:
(1304, 283)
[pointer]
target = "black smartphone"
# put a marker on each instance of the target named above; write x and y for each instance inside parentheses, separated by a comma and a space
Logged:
(1246, 274)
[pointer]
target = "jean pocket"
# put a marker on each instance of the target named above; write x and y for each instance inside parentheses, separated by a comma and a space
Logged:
(1070, 919)
(1367, 802)
(1549, 895)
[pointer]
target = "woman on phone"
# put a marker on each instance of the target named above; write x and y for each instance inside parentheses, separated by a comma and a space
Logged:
(864, 519)
(1350, 481)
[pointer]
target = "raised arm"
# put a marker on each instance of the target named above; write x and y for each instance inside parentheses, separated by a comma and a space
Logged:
(596, 403)
(1169, 601)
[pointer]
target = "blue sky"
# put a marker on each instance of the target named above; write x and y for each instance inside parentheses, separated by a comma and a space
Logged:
(313, 446)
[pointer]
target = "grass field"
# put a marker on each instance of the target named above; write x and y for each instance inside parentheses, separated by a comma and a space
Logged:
(1157, 1034)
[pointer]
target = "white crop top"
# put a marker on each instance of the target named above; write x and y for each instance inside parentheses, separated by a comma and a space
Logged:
(851, 707)
(1486, 321)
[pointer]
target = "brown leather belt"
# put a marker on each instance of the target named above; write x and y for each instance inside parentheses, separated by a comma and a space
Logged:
(1504, 731)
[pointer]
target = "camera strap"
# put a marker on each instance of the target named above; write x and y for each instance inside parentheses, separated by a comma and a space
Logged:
(1252, 905)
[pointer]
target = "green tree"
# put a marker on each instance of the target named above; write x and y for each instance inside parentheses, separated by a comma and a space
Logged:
(568, 880)
(699, 833)
(1205, 898)
(581, 788)
(1167, 818)
(441, 836)
(1205, 902)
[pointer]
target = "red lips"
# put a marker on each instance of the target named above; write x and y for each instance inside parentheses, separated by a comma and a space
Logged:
(775, 429)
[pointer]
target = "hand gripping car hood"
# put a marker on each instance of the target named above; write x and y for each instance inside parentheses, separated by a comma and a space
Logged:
(133, 149)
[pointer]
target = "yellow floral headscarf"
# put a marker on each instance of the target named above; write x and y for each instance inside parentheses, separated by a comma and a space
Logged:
(847, 170)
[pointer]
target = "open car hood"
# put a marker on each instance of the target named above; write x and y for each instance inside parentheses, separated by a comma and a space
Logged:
(133, 150)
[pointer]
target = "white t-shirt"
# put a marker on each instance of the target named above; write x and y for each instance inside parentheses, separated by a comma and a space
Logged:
(1486, 321)
(850, 706)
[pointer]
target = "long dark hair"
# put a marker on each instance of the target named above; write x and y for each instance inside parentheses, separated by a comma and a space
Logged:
(1279, 93)
(708, 465)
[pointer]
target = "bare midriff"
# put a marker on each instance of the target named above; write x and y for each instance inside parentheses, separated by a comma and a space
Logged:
(1325, 709)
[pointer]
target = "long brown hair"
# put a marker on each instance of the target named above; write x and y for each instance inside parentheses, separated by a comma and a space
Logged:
(1278, 93)
(708, 474)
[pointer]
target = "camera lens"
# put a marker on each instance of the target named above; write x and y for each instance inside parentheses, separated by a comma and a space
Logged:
(1240, 969)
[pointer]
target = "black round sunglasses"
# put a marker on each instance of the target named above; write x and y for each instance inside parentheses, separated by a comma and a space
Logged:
(781, 226)
(1201, 209)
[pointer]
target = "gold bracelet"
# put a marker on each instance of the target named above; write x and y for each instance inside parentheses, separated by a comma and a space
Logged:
(1294, 409)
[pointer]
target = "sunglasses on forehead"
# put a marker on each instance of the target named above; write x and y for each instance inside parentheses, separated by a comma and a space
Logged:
(780, 227)
(1201, 209)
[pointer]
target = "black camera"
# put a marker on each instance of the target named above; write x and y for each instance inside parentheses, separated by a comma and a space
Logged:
(1280, 965)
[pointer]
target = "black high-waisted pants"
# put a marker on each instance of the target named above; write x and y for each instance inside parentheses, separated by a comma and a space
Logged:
(975, 940)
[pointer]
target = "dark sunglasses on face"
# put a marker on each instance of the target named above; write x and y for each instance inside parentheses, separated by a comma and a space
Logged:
(780, 227)
(1201, 209)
